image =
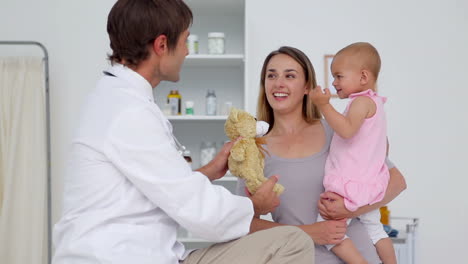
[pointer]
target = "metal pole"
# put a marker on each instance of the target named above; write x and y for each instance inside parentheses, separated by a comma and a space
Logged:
(49, 172)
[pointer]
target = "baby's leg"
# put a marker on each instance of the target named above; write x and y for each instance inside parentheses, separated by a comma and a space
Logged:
(386, 251)
(348, 252)
(380, 239)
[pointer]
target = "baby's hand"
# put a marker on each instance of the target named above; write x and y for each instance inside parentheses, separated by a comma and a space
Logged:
(320, 97)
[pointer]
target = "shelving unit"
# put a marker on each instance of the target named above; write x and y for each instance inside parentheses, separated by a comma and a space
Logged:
(406, 241)
(196, 118)
(225, 74)
(207, 60)
(228, 179)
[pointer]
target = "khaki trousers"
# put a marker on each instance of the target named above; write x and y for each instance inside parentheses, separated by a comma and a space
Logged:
(279, 245)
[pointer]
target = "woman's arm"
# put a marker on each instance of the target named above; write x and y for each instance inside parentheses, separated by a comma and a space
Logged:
(331, 205)
(322, 233)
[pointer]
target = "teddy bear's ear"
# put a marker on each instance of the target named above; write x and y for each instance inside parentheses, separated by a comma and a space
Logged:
(233, 115)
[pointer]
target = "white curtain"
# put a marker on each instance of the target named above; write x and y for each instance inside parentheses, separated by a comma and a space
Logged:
(23, 157)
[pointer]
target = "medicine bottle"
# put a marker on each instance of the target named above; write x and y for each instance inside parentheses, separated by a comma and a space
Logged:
(211, 104)
(384, 215)
(174, 99)
(216, 43)
(189, 107)
(192, 44)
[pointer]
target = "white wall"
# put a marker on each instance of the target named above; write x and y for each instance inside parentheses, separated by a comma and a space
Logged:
(423, 45)
(74, 33)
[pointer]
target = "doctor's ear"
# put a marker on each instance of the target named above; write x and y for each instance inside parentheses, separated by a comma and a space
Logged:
(160, 45)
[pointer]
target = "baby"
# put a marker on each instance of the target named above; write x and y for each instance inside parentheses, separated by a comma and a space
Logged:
(355, 168)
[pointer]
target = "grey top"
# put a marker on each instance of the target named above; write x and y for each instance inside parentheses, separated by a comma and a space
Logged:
(302, 179)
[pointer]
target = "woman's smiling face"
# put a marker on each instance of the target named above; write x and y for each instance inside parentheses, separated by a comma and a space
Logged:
(285, 83)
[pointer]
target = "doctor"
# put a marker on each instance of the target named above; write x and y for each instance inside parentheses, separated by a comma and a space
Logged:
(128, 189)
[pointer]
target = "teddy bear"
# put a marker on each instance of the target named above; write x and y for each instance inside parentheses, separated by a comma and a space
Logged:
(247, 155)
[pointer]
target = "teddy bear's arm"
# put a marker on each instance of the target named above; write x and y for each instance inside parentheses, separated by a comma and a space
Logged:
(238, 152)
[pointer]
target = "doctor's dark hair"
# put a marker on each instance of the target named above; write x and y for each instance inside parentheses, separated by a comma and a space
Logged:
(310, 111)
(133, 25)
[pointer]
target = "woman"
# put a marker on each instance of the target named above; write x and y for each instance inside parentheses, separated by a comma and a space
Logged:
(298, 142)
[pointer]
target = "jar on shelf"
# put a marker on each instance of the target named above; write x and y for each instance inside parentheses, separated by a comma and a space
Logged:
(207, 152)
(192, 44)
(216, 43)
(226, 108)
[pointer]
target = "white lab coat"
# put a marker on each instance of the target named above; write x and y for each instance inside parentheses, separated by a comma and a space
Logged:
(127, 188)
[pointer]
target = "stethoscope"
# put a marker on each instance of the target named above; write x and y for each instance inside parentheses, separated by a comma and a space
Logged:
(180, 148)
(108, 74)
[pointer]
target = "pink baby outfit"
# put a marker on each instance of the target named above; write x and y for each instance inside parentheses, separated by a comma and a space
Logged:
(355, 167)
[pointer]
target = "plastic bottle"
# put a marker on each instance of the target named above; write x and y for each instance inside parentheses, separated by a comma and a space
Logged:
(174, 99)
(384, 215)
(211, 103)
(189, 107)
(192, 44)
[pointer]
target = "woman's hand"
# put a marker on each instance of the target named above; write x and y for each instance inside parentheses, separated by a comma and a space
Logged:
(326, 232)
(331, 206)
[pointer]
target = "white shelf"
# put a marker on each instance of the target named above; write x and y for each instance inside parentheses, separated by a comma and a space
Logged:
(224, 73)
(210, 6)
(214, 60)
(197, 117)
(228, 178)
(398, 240)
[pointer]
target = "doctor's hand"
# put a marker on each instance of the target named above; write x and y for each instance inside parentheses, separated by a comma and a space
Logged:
(218, 167)
(331, 206)
(265, 200)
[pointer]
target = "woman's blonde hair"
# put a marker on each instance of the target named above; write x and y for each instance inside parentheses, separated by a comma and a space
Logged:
(310, 112)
